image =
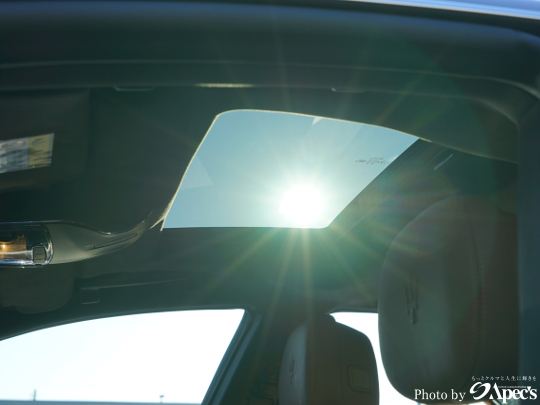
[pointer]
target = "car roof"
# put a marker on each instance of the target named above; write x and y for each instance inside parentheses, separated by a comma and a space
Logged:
(146, 76)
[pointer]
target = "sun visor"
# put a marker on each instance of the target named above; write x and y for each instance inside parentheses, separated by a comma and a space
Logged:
(43, 137)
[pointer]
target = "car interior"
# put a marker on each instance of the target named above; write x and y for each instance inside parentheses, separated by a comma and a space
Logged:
(441, 244)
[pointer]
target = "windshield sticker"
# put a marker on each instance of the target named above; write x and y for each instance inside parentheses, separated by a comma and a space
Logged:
(26, 153)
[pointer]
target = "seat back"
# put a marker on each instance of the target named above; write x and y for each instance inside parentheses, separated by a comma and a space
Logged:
(327, 363)
(448, 300)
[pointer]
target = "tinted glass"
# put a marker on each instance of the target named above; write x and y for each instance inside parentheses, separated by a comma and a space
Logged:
(275, 169)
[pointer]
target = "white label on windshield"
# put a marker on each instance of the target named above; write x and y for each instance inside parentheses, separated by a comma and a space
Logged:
(26, 153)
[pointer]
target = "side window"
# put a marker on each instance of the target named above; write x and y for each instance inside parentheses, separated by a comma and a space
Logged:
(168, 357)
(367, 324)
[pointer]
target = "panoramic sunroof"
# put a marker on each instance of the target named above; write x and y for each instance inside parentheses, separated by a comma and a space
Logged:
(275, 169)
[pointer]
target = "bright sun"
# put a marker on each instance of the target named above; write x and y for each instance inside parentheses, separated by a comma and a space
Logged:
(302, 205)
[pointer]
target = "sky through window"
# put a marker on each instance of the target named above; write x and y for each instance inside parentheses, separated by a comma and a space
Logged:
(275, 169)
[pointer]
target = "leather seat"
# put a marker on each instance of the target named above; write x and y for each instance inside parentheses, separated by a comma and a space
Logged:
(448, 299)
(327, 363)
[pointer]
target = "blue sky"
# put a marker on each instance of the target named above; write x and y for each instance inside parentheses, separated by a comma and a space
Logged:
(252, 161)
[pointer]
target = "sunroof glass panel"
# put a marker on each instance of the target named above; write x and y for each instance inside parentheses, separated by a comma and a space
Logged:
(275, 169)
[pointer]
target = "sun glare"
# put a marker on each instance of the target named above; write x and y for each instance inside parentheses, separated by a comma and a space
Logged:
(302, 205)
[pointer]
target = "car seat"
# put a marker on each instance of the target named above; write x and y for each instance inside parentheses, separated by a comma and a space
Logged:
(448, 302)
(327, 363)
